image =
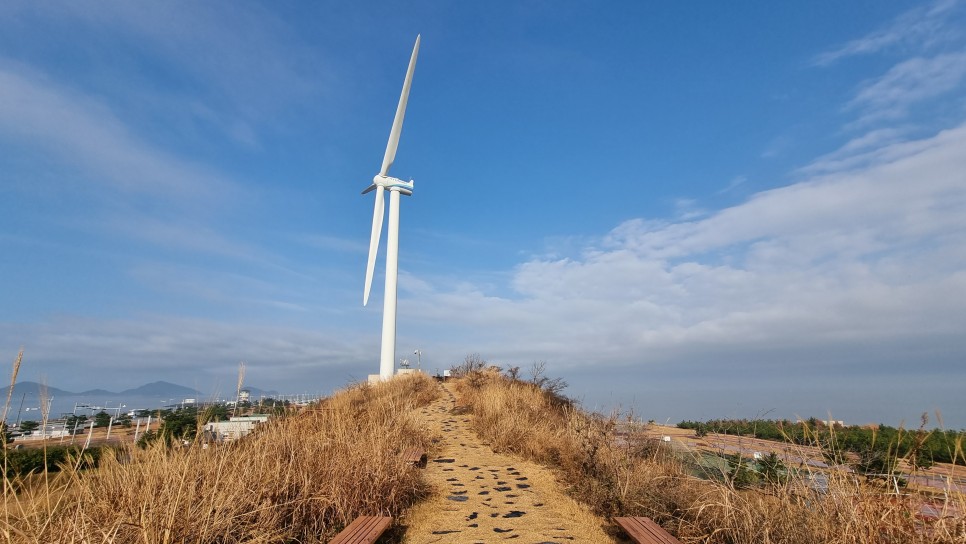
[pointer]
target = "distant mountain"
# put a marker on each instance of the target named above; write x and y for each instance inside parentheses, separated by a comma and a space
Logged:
(162, 389)
(154, 389)
(96, 393)
(259, 393)
(34, 389)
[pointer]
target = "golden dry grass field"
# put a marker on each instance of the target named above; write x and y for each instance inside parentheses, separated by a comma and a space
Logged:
(508, 460)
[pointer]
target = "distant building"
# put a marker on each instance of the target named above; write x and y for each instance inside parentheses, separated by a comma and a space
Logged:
(234, 428)
(245, 395)
(51, 431)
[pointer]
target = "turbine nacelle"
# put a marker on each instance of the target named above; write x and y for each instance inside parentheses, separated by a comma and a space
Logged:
(390, 183)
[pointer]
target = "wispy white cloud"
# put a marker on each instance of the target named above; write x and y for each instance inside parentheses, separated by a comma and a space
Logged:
(246, 55)
(735, 182)
(908, 83)
(687, 209)
(876, 146)
(777, 147)
(858, 259)
(82, 133)
(182, 235)
(225, 66)
(222, 288)
(918, 27)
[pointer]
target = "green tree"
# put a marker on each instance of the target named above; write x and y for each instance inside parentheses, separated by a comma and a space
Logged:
(146, 438)
(29, 426)
(740, 474)
(216, 412)
(102, 419)
(875, 463)
(177, 424)
(73, 421)
(772, 469)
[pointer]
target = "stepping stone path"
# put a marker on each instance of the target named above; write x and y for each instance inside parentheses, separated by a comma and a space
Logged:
(482, 496)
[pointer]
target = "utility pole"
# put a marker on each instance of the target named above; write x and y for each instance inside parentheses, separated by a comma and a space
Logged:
(21, 408)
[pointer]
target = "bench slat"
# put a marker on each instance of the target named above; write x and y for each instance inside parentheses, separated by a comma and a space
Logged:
(363, 530)
(415, 456)
(645, 531)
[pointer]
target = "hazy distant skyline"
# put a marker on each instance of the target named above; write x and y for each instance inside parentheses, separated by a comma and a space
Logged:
(695, 210)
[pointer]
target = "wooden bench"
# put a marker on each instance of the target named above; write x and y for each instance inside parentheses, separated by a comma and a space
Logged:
(363, 530)
(645, 531)
(415, 456)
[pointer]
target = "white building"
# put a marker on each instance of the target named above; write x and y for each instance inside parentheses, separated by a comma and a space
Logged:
(234, 428)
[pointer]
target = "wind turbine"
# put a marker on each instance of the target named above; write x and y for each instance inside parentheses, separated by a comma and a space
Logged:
(381, 183)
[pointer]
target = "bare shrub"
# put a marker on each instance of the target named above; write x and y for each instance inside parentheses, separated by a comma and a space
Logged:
(472, 363)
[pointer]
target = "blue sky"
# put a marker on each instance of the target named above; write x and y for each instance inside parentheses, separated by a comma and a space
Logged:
(691, 210)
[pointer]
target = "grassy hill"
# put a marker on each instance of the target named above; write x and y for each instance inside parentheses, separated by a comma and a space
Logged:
(302, 477)
(619, 469)
(296, 479)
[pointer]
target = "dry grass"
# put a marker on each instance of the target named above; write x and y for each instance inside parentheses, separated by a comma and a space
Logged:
(296, 479)
(621, 474)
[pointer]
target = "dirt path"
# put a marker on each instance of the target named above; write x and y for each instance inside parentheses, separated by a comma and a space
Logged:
(482, 496)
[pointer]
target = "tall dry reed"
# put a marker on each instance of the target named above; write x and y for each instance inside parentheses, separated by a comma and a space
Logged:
(297, 479)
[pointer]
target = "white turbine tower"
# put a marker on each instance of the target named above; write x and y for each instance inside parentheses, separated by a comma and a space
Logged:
(381, 183)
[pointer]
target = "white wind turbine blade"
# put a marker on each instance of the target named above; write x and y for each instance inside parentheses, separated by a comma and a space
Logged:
(397, 123)
(377, 213)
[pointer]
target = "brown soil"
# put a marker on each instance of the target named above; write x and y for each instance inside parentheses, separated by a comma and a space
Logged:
(482, 496)
(119, 435)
